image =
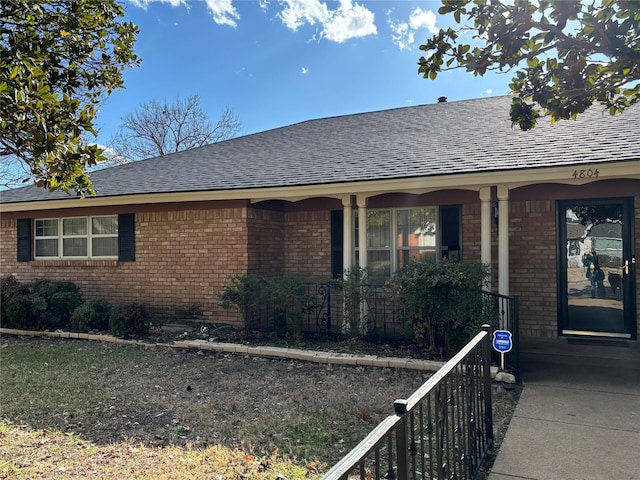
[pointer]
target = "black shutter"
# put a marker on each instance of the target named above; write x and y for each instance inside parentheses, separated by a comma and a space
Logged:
(126, 237)
(337, 227)
(24, 239)
(450, 231)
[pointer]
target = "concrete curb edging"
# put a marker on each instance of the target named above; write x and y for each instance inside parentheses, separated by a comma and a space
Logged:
(334, 358)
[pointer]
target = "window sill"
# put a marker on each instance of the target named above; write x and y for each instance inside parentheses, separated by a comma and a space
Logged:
(74, 263)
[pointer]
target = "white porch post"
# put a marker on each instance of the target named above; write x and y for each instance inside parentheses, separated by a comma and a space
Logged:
(361, 200)
(362, 230)
(347, 234)
(503, 240)
(485, 231)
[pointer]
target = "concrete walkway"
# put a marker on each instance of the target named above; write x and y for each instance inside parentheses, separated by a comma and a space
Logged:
(578, 417)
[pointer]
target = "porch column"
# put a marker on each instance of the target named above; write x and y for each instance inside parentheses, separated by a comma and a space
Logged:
(503, 239)
(362, 230)
(347, 234)
(485, 231)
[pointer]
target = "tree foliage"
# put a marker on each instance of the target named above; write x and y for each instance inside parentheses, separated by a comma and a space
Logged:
(568, 54)
(58, 60)
(156, 128)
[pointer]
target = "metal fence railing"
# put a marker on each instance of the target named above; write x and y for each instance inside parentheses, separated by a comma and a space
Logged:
(507, 309)
(373, 314)
(444, 430)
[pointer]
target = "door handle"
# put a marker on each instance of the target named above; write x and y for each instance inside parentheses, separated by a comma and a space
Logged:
(626, 267)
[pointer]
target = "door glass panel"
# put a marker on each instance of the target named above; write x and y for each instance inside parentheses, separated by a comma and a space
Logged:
(594, 249)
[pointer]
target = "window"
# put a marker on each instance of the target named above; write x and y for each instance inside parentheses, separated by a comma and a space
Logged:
(77, 237)
(47, 238)
(396, 237)
(104, 236)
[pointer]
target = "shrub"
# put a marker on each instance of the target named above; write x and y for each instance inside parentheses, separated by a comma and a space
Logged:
(129, 319)
(290, 301)
(25, 311)
(62, 298)
(10, 286)
(246, 293)
(285, 298)
(443, 301)
(93, 315)
(43, 304)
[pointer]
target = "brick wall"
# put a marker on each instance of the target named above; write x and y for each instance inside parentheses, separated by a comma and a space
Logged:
(308, 244)
(471, 232)
(266, 242)
(532, 263)
(182, 260)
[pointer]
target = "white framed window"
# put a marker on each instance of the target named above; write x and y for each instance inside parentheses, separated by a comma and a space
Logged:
(396, 237)
(47, 238)
(104, 236)
(76, 237)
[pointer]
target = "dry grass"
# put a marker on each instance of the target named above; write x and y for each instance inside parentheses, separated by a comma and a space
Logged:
(42, 454)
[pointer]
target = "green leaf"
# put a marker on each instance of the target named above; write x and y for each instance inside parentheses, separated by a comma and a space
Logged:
(54, 81)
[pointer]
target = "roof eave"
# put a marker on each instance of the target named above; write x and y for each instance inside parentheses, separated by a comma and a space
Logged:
(511, 178)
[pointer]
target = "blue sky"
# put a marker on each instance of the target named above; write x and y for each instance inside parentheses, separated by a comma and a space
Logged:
(275, 63)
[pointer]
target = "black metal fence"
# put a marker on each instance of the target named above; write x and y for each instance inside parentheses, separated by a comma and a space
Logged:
(507, 310)
(333, 312)
(444, 430)
(372, 314)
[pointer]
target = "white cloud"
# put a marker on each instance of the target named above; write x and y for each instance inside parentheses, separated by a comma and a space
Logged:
(113, 159)
(224, 13)
(349, 20)
(488, 91)
(404, 32)
(145, 3)
(304, 71)
(423, 19)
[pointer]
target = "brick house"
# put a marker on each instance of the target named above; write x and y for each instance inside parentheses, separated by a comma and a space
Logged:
(443, 180)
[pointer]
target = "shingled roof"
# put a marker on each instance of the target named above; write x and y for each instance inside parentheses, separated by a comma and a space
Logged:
(419, 141)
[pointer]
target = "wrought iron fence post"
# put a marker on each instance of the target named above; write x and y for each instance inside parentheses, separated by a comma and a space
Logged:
(402, 448)
(516, 337)
(486, 353)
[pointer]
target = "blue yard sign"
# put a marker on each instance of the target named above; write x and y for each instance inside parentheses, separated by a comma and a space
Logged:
(502, 341)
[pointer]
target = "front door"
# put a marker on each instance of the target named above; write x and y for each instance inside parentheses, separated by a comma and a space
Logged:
(597, 268)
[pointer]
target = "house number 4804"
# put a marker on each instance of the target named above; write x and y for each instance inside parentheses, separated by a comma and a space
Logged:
(589, 173)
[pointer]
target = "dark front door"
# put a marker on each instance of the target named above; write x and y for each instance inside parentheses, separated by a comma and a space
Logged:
(597, 268)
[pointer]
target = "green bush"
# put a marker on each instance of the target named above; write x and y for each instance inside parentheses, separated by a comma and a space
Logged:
(443, 302)
(129, 319)
(290, 301)
(62, 298)
(26, 311)
(93, 315)
(285, 298)
(245, 292)
(10, 286)
(43, 304)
